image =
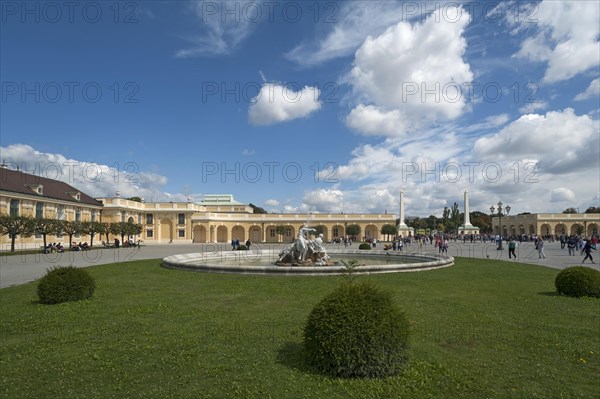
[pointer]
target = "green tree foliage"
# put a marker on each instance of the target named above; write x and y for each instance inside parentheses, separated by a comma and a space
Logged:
(91, 229)
(125, 229)
(389, 230)
(320, 229)
(45, 226)
(136, 199)
(481, 220)
(16, 226)
(593, 209)
(353, 230)
(70, 228)
(257, 209)
(281, 229)
(570, 210)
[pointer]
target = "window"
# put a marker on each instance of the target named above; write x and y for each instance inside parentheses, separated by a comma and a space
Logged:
(78, 214)
(122, 216)
(181, 218)
(40, 190)
(14, 207)
(60, 212)
(139, 218)
(335, 232)
(149, 218)
(39, 210)
(181, 233)
(149, 233)
(272, 233)
(93, 216)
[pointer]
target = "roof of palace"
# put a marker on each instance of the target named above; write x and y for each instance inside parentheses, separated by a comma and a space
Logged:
(16, 181)
(219, 199)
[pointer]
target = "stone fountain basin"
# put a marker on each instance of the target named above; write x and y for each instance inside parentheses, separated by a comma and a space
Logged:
(261, 262)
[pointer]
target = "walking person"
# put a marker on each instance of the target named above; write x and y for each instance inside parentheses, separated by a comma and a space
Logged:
(512, 245)
(540, 248)
(587, 248)
(571, 245)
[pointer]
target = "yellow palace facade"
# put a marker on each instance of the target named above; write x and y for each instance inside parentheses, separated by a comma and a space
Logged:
(219, 218)
(548, 224)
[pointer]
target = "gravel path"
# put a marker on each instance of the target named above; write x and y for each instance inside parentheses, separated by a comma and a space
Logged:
(20, 269)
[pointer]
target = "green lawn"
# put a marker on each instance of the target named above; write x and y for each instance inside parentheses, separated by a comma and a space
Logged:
(480, 329)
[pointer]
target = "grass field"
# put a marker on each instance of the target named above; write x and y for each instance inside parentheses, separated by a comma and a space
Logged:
(480, 329)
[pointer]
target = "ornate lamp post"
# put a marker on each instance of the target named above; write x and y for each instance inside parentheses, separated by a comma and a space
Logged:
(499, 213)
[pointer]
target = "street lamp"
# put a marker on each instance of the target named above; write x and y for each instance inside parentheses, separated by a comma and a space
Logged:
(499, 213)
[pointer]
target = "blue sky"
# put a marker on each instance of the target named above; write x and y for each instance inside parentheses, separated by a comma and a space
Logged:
(308, 106)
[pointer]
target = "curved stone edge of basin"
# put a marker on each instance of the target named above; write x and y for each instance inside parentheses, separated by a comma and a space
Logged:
(201, 263)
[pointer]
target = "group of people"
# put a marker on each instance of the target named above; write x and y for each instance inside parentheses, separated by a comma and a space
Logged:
(80, 247)
(235, 244)
(573, 244)
(54, 247)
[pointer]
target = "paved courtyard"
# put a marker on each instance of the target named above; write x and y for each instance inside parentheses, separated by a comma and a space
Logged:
(20, 269)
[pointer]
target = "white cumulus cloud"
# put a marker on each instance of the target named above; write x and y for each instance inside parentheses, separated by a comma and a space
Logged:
(562, 194)
(94, 179)
(412, 76)
(566, 39)
(277, 103)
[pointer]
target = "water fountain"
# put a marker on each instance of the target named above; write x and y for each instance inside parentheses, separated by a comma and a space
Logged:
(304, 256)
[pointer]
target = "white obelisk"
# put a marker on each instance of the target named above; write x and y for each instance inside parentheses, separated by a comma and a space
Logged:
(403, 229)
(467, 227)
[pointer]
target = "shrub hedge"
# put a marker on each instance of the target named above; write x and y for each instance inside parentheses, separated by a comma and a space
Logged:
(578, 281)
(65, 284)
(357, 331)
(364, 245)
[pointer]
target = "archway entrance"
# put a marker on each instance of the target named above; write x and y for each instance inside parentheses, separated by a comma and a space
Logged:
(199, 234)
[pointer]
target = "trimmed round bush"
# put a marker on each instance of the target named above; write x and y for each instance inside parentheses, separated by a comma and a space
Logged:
(65, 284)
(364, 245)
(578, 281)
(357, 331)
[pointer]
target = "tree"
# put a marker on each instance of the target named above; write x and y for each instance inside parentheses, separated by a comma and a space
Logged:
(133, 229)
(71, 228)
(593, 209)
(91, 229)
(257, 209)
(45, 226)
(125, 229)
(105, 230)
(389, 229)
(446, 215)
(353, 230)
(136, 199)
(481, 220)
(280, 229)
(570, 210)
(16, 226)
(320, 229)
(455, 216)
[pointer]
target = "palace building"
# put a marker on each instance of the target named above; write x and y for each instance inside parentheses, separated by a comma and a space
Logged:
(218, 218)
(548, 224)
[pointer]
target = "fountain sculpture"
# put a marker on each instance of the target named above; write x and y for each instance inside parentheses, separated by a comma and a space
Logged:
(304, 251)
